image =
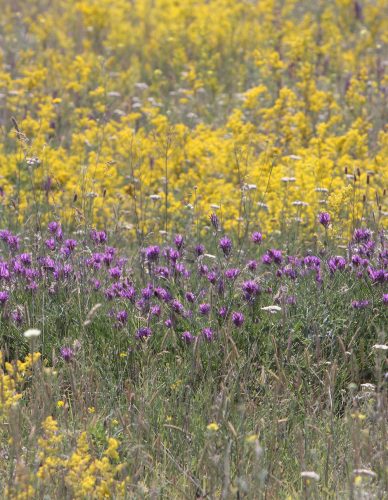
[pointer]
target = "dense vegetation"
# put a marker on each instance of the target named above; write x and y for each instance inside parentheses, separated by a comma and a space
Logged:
(193, 254)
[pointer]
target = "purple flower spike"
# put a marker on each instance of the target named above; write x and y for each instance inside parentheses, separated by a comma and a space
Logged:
(208, 334)
(199, 250)
(67, 354)
(122, 317)
(187, 337)
(361, 234)
(215, 221)
(237, 318)
(250, 289)
(143, 333)
(4, 296)
(257, 238)
(225, 245)
(178, 240)
(385, 299)
(204, 309)
(324, 218)
(152, 253)
(360, 304)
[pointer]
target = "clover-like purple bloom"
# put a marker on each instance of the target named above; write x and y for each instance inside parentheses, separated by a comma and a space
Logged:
(232, 273)
(178, 240)
(143, 333)
(226, 245)
(361, 235)
(214, 221)
(360, 304)
(324, 218)
(238, 318)
(4, 296)
(122, 317)
(257, 237)
(250, 289)
(208, 334)
(67, 354)
(152, 253)
(187, 337)
(199, 249)
(204, 309)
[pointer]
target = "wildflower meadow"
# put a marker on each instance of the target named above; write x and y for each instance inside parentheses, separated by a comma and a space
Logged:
(193, 249)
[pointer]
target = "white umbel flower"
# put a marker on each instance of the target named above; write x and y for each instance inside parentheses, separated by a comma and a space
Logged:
(32, 333)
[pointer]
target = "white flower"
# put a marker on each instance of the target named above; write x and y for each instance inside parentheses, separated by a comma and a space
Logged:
(272, 309)
(310, 475)
(380, 347)
(365, 472)
(31, 333)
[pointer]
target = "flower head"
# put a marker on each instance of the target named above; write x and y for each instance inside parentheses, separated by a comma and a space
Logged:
(324, 218)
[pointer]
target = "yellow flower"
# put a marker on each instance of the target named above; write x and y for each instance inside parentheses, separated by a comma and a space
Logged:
(91, 410)
(60, 404)
(251, 438)
(213, 426)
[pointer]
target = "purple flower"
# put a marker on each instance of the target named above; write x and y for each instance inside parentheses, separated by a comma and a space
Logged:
(168, 323)
(4, 271)
(361, 234)
(178, 240)
(212, 277)
(152, 253)
(208, 334)
(291, 300)
(377, 275)
(98, 237)
(187, 337)
(67, 354)
(162, 272)
(276, 255)
(122, 317)
(17, 316)
(190, 297)
(25, 259)
(204, 309)
(237, 318)
(50, 243)
(266, 259)
(385, 298)
(252, 265)
(232, 273)
(4, 296)
(162, 294)
(177, 306)
(199, 249)
(336, 263)
(324, 218)
(147, 292)
(155, 311)
(360, 304)
(257, 237)
(226, 245)
(143, 333)
(214, 221)
(356, 260)
(70, 244)
(115, 273)
(250, 289)
(53, 227)
(223, 312)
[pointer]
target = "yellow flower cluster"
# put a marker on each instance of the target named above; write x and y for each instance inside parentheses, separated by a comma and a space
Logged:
(80, 473)
(11, 379)
(264, 113)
